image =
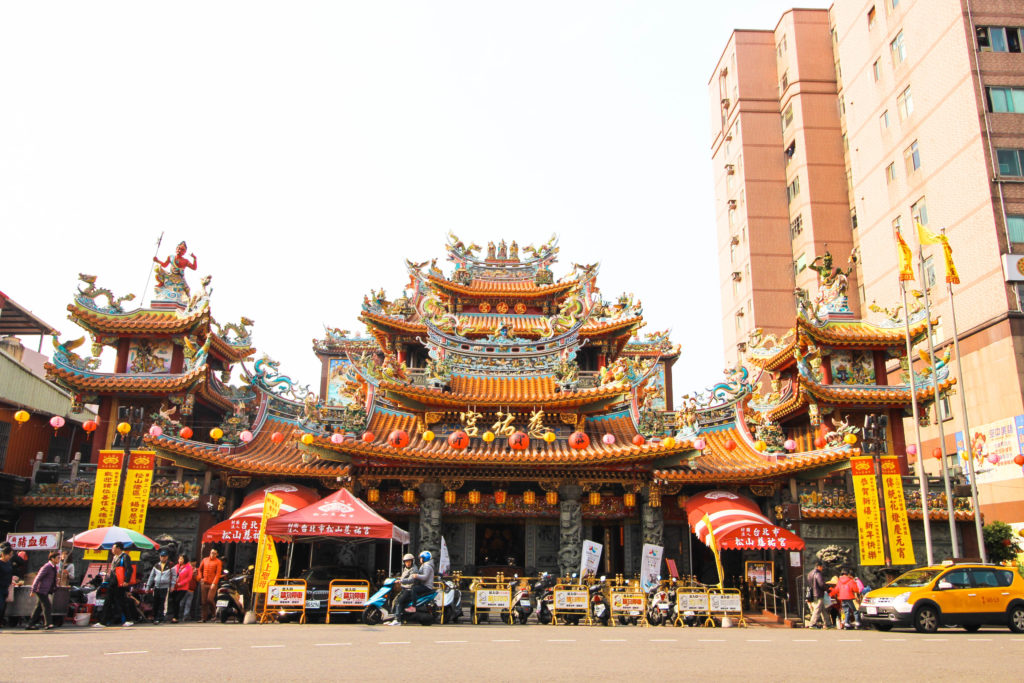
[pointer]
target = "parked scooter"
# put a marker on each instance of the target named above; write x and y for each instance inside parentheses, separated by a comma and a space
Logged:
(522, 605)
(449, 602)
(543, 595)
(599, 608)
(660, 609)
(381, 605)
(232, 594)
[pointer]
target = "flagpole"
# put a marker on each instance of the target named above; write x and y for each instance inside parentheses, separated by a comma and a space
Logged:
(922, 476)
(966, 423)
(954, 541)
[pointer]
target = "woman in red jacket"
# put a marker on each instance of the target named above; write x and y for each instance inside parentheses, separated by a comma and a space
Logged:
(181, 589)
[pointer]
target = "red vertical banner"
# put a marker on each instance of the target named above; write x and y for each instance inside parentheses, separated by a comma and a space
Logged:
(869, 517)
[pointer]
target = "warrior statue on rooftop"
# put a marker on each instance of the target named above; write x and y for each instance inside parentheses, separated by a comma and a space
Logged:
(170, 275)
(833, 284)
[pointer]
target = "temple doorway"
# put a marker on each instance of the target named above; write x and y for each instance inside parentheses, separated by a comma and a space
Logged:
(501, 544)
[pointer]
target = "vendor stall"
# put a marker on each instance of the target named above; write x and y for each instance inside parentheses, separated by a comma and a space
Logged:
(243, 526)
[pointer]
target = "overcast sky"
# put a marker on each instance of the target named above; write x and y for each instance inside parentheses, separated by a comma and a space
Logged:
(304, 150)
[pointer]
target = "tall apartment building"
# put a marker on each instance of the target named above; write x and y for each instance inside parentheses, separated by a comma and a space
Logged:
(928, 117)
(780, 183)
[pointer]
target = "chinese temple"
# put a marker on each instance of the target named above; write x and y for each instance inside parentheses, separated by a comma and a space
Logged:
(507, 410)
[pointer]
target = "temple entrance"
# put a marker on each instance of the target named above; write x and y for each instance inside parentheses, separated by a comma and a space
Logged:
(500, 546)
(706, 572)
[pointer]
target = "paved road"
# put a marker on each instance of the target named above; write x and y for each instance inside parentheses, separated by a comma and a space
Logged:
(287, 652)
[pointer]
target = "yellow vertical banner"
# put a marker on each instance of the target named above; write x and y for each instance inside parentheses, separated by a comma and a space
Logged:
(104, 496)
(266, 554)
(135, 502)
(869, 517)
(901, 547)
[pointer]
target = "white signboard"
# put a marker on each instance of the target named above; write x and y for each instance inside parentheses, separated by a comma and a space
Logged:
(725, 602)
(348, 596)
(650, 566)
(591, 559)
(692, 602)
(628, 602)
(491, 599)
(286, 596)
(445, 564)
(572, 599)
(43, 540)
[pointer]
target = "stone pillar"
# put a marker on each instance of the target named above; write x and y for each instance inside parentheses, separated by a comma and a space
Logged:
(570, 543)
(653, 524)
(430, 519)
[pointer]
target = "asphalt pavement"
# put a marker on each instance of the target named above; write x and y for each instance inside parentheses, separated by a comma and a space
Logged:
(498, 652)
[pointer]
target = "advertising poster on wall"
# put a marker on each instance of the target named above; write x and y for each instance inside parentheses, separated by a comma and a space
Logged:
(994, 446)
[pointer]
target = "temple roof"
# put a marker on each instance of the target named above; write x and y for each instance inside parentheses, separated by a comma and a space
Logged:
(516, 289)
(489, 323)
(497, 390)
(139, 321)
(85, 381)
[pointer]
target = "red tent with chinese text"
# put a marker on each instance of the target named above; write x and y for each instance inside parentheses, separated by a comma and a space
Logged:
(737, 522)
(339, 515)
(244, 523)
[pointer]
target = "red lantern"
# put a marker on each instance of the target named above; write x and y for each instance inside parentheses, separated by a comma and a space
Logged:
(819, 442)
(639, 440)
(500, 496)
(730, 445)
(579, 440)
(398, 438)
(185, 433)
(937, 453)
(458, 440)
(277, 437)
(1018, 459)
(519, 441)
(368, 437)
(90, 426)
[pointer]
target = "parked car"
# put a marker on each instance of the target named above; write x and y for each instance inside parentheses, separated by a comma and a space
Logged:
(968, 595)
(319, 578)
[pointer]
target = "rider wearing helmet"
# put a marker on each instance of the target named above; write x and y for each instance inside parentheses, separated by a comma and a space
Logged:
(417, 582)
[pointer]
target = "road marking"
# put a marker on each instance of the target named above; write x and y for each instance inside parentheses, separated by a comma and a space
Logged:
(329, 644)
(613, 640)
(198, 649)
(758, 641)
(805, 640)
(45, 657)
(711, 640)
(505, 640)
(934, 640)
(561, 640)
(393, 642)
(128, 652)
(850, 640)
(451, 641)
(261, 646)
(979, 640)
(894, 640)
(663, 640)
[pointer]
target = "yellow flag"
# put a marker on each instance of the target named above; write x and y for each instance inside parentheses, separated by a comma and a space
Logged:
(906, 258)
(926, 236)
(713, 544)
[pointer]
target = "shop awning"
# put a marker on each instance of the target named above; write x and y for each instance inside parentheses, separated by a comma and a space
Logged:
(737, 522)
(243, 526)
(339, 515)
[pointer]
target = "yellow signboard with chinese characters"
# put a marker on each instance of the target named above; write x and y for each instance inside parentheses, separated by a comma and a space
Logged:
(266, 554)
(135, 501)
(901, 547)
(104, 496)
(869, 517)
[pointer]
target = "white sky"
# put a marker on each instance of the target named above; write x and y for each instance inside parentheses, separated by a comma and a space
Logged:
(305, 149)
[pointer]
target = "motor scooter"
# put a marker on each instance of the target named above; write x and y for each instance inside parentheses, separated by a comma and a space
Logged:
(449, 601)
(598, 606)
(543, 595)
(522, 605)
(381, 605)
(660, 609)
(231, 597)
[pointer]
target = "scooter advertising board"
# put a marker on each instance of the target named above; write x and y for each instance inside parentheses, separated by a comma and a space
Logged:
(286, 596)
(650, 566)
(725, 602)
(569, 598)
(630, 603)
(491, 599)
(695, 601)
(348, 596)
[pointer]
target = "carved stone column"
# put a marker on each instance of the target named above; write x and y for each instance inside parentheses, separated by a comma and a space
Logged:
(430, 519)
(571, 529)
(652, 521)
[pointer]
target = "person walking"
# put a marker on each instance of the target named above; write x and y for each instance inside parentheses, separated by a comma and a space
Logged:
(181, 589)
(816, 597)
(209, 576)
(162, 577)
(42, 587)
(120, 576)
(846, 592)
(6, 578)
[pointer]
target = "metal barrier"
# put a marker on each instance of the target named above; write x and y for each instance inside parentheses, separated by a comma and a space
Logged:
(692, 599)
(629, 602)
(346, 595)
(490, 593)
(571, 600)
(284, 595)
(778, 597)
(725, 602)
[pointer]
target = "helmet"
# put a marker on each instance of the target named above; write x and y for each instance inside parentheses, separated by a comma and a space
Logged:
(425, 556)
(408, 556)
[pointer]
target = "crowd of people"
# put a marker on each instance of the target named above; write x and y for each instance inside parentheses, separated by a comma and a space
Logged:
(834, 603)
(172, 587)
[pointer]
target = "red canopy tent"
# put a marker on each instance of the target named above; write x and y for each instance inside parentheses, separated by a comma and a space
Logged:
(243, 526)
(339, 515)
(737, 522)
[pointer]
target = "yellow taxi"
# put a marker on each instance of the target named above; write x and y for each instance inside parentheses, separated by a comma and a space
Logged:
(966, 595)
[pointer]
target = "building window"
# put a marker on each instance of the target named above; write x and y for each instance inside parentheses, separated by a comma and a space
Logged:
(905, 104)
(732, 218)
(1010, 162)
(929, 271)
(787, 117)
(796, 226)
(944, 410)
(790, 151)
(842, 106)
(871, 18)
(1005, 100)
(919, 212)
(739, 321)
(898, 49)
(793, 189)
(912, 157)
(883, 120)
(1015, 226)
(784, 82)
(890, 173)
(780, 49)
(735, 289)
(846, 144)
(800, 265)
(998, 39)
(876, 69)
(853, 218)
(743, 197)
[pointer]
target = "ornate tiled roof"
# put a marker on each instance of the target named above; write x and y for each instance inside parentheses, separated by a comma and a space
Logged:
(516, 288)
(488, 323)
(503, 391)
(230, 352)
(853, 395)
(31, 501)
(260, 456)
(141, 321)
(848, 513)
(105, 383)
